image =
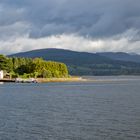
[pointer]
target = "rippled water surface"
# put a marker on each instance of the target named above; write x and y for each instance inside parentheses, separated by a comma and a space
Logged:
(107, 109)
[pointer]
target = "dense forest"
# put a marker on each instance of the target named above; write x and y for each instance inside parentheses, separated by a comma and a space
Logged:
(28, 67)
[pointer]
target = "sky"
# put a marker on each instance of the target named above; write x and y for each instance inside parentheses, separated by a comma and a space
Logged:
(79, 25)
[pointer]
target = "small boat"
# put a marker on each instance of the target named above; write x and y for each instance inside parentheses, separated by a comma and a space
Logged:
(30, 80)
(1, 83)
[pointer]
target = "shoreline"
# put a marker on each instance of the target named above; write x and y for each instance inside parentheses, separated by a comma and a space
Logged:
(45, 80)
(51, 80)
(60, 80)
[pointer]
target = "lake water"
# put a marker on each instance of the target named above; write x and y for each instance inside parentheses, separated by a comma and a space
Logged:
(108, 109)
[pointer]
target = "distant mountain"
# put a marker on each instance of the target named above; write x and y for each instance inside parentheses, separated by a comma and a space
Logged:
(83, 63)
(121, 56)
(65, 56)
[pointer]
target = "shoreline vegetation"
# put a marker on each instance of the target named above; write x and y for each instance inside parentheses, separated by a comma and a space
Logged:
(25, 68)
(37, 70)
(68, 79)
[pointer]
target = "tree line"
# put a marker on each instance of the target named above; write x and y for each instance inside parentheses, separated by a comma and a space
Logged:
(28, 67)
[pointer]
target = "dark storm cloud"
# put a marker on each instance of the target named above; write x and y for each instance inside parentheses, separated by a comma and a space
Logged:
(95, 18)
(81, 25)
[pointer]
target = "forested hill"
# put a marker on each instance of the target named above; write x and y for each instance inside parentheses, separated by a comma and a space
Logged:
(65, 56)
(82, 63)
(121, 56)
(68, 56)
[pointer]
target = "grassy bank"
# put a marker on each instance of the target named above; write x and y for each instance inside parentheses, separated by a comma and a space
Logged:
(69, 79)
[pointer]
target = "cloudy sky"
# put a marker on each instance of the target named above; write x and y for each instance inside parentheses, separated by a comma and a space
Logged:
(81, 25)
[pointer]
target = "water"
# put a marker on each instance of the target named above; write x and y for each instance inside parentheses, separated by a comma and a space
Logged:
(108, 109)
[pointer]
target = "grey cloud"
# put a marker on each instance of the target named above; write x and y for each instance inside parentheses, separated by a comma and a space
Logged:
(95, 25)
(13, 31)
(95, 18)
(90, 17)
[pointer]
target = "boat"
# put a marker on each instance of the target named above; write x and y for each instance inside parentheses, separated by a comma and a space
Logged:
(30, 80)
(1, 83)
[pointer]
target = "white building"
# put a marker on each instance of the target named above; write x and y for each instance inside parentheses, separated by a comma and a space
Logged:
(1, 74)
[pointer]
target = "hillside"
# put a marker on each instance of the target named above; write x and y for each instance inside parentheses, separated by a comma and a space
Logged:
(82, 63)
(65, 56)
(121, 56)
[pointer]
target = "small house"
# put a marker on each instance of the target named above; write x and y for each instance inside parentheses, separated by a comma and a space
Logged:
(1, 74)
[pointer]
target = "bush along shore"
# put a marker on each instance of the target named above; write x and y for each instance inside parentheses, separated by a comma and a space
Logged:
(34, 70)
(67, 79)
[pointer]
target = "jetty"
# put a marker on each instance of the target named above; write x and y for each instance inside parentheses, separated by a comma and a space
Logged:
(18, 80)
(7, 80)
